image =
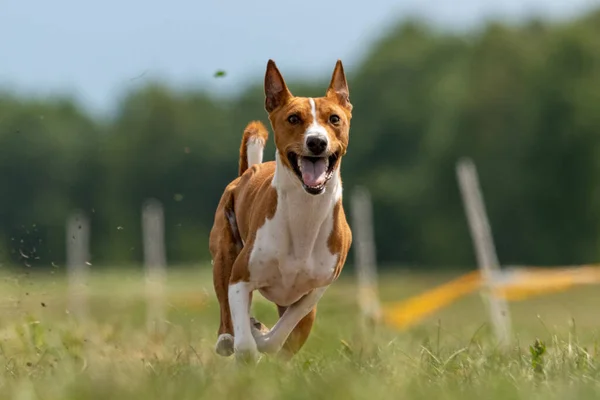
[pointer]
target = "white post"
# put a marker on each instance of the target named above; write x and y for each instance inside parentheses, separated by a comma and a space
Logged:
(155, 264)
(366, 263)
(78, 234)
(485, 251)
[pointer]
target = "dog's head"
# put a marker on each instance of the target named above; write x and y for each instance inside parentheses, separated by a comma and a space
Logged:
(311, 134)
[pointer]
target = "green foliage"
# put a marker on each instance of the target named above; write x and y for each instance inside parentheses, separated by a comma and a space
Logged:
(537, 350)
(521, 101)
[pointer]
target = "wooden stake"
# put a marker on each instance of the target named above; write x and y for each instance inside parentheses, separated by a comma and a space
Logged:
(155, 265)
(364, 247)
(485, 251)
(78, 236)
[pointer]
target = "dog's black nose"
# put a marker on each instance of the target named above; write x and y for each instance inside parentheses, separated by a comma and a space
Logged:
(316, 145)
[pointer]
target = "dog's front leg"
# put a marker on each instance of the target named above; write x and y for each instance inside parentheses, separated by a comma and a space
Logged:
(273, 340)
(244, 345)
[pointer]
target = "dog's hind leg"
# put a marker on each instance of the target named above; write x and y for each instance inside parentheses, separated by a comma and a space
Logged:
(223, 262)
(225, 245)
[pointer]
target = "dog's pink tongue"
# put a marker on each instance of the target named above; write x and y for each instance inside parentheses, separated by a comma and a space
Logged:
(313, 173)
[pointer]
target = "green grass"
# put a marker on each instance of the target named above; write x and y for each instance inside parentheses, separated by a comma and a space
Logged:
(46, 354)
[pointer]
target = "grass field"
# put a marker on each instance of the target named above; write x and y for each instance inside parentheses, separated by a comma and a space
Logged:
(45, 354)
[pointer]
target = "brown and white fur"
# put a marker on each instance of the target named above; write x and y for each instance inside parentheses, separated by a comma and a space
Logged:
(280, 227)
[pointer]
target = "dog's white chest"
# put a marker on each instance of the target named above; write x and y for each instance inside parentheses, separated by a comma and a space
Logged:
(290, 256)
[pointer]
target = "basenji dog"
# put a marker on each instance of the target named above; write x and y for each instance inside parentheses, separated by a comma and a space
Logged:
(280, 227)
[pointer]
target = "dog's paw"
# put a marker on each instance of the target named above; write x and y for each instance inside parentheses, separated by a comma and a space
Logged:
(246, 352)
(262, 337)
(224, 346)
(258, 327)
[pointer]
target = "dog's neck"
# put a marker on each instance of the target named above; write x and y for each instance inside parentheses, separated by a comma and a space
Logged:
(305, 214)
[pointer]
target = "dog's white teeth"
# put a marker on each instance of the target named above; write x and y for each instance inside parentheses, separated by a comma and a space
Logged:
(326, 162)
(300, 163)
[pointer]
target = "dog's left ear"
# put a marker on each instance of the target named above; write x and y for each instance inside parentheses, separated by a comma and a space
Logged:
(276, 91)
(338, 88)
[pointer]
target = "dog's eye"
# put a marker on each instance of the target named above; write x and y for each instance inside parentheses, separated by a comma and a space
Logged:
(334, 119)
(293, 119)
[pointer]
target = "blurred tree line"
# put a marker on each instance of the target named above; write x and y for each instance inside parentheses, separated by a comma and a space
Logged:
(522, 101)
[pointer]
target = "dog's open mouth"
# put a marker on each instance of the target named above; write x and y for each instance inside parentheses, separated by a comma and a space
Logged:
(313, 172)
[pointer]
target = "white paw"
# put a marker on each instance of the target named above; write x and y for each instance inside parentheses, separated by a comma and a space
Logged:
(264, 341)
(224, 346)
(246, 350)
(257, 326)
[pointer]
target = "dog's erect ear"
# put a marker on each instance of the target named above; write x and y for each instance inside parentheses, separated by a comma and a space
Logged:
(338, 88)
(276, 91)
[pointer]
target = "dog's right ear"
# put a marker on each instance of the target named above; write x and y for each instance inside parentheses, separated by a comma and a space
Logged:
(276, 91)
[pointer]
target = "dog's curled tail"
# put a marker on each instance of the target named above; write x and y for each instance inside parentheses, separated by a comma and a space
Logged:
(253, 143)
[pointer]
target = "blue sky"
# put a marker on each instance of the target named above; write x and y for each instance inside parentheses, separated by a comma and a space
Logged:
(96, 51)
